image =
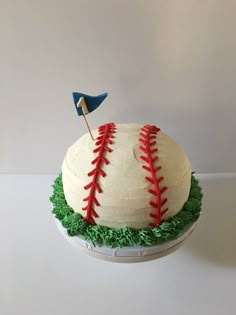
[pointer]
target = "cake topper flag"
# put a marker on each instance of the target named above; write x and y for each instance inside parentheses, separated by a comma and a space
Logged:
(85, 104)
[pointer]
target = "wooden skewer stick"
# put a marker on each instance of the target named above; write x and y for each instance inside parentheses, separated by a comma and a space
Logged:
(86, 122)
(81, 103)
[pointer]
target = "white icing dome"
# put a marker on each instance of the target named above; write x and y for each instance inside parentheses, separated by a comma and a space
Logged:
(122, 188)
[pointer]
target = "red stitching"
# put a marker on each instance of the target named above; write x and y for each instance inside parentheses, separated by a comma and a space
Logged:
(102, 141)
(147, 135)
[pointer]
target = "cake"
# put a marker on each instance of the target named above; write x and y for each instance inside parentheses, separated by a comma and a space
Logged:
(131, 188)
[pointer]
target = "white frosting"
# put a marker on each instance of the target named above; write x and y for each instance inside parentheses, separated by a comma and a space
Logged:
(124, 198)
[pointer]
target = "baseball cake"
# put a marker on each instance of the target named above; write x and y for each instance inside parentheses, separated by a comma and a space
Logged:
(127, 193)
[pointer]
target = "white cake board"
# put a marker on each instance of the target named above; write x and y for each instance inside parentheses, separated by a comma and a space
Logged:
(128, 254)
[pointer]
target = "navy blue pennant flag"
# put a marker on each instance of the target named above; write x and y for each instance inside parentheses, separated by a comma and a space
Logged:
(92, 102)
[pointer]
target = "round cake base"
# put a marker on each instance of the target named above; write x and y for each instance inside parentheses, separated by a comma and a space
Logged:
(131, 254)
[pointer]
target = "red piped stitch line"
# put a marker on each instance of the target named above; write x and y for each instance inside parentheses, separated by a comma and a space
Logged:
(148, 140)
(102, 147)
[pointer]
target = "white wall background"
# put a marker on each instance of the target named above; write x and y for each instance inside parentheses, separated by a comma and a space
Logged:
(167, 62)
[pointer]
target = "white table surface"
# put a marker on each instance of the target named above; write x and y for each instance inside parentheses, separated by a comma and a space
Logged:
(42, 274)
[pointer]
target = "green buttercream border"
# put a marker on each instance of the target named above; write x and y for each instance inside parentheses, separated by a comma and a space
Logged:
(121, 237)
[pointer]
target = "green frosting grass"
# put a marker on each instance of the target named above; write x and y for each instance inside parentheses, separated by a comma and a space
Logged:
(122, 237)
